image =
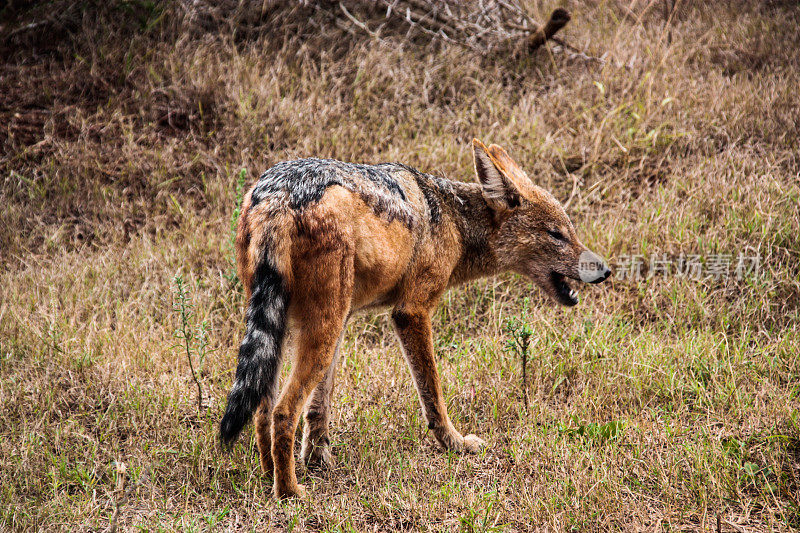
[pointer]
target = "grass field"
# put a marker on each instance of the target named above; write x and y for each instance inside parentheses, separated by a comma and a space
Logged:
(661, 403)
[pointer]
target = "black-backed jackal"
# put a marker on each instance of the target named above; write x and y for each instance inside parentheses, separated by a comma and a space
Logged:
(319, 240)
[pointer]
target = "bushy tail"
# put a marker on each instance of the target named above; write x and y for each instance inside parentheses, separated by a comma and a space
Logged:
(260, 351)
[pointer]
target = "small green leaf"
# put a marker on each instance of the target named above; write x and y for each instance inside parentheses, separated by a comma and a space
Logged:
(751, 469)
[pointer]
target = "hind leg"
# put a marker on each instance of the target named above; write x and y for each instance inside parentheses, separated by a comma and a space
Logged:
(316, 448)
(262, 421)
(321, 303)
(263, 425)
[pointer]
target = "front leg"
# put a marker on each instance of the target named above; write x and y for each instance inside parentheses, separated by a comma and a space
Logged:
(413, 328)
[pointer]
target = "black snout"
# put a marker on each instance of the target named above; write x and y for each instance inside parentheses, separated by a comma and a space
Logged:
(602, 276)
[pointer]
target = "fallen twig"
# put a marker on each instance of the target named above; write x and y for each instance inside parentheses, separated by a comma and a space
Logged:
(558, 19)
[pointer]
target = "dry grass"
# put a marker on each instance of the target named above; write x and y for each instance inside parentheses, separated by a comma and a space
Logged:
(121, 143)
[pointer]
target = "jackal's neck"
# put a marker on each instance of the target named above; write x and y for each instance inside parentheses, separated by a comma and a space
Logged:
(475, 222)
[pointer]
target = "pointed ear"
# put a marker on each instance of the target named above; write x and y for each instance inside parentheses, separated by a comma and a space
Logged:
(509, 167)
(498, 189)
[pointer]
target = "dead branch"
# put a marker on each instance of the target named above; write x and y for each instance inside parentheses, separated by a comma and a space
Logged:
(558, 19)
(358, 22)
(486, 27)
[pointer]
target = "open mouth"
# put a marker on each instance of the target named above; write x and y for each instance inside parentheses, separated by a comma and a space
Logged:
(564, 293)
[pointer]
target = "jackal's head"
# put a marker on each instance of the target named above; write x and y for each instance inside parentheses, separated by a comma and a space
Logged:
(534, 236)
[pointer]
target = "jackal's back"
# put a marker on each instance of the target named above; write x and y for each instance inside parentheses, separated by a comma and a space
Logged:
(303, 182)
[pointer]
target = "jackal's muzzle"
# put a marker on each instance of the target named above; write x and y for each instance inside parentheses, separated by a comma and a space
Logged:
(590, 269)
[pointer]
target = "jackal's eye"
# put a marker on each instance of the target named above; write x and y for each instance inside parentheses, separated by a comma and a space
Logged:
(557, 235)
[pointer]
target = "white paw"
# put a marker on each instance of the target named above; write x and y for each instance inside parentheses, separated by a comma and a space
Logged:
(298, 491)
(473, 444)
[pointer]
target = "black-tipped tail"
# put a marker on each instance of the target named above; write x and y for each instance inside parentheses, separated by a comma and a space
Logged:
(259, 353)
